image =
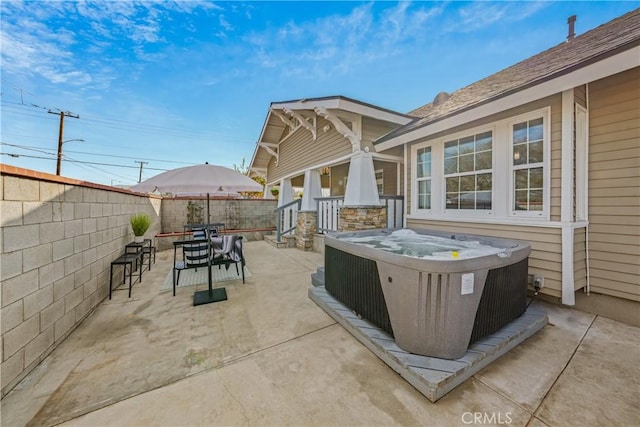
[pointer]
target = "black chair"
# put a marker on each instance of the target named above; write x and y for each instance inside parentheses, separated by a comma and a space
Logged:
(195, 254)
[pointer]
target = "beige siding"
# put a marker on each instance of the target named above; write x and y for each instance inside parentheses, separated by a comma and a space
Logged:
(390, 176)
(373, 129)
(546, 245)
(614, 185)
(579, 259)
(300, 151)
(338, 179)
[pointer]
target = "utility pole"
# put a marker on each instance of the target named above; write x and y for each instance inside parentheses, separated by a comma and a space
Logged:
(141, 163)
(62, 115)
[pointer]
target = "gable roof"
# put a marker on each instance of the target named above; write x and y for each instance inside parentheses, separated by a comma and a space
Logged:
(274, 127)
(595, 45)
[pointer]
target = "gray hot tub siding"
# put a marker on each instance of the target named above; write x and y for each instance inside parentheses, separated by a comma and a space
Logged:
(354, 274)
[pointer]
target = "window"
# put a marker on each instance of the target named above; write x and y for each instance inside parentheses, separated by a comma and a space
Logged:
(468, 165)
(380, 181)
(528, 165)
(423, 174)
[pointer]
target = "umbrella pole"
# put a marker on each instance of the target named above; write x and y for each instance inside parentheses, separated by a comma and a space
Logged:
(209, 296)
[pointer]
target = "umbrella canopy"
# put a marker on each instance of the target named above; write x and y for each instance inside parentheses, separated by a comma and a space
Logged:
(199, 179)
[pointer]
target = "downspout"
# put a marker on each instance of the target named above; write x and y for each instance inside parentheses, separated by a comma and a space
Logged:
(586, 190)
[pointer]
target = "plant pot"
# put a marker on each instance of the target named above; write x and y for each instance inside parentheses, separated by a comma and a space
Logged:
(138, 239)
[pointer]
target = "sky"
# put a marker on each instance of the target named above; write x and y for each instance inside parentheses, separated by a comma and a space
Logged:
(167, 84)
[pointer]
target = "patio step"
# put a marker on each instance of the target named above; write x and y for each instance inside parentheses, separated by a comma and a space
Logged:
(431, 376)
(285, 242)
(317, 278)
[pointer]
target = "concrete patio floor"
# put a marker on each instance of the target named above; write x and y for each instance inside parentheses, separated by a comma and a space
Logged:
(269, 356)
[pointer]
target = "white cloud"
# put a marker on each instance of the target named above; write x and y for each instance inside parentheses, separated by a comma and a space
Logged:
(338, 43)
(480, 15)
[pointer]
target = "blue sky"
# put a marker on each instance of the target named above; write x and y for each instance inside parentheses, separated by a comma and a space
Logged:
(176, 83)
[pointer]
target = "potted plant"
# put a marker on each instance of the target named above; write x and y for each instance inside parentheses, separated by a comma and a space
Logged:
(275, 191)
(140, 223)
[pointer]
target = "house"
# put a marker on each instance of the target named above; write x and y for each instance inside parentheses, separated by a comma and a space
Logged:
(547, 151)
(327, 143)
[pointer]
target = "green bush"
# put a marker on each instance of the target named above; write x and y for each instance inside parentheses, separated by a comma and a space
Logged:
(140, 223)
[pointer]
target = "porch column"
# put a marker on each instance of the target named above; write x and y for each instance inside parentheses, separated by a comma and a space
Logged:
(267, 192)
(307, 224)
(286, 192)
(362, 209)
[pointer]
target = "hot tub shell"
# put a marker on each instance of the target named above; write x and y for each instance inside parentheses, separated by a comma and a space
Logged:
(432, 307)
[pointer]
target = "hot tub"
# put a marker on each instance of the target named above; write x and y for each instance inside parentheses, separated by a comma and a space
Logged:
(434, 292)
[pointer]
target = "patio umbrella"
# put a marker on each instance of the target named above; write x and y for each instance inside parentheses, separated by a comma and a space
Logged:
(200, 179)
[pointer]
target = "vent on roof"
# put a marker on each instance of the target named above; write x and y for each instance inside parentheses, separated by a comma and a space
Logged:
(440, 98)
(571, 21)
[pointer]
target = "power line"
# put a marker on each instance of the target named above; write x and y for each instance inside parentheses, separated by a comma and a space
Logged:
(80, 161)
(35, 148)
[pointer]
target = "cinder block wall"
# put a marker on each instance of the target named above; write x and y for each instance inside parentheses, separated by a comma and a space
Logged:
(58, 239)
(240, 214)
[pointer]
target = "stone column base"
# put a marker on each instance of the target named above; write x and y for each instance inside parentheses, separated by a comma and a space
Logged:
(306, 227)
(354, 218)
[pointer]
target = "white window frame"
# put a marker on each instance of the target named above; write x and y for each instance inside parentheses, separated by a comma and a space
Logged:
(503, 185)
(414, 179)
(543, 214)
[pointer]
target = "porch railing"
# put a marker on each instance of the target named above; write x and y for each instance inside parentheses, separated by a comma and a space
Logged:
(287, 218)
(329, 212)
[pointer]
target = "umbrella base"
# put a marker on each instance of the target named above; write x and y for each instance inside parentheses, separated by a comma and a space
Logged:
(209, 296)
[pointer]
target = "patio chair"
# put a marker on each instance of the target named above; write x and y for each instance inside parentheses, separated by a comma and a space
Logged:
(227, 250)
(195, 254)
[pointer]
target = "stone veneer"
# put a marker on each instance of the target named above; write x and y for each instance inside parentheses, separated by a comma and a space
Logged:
(306, 227)
(354, 218)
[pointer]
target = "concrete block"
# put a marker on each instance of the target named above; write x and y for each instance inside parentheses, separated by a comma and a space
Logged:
(72, 228)
(68, 211)
(62, 287)
(107, 209)
(96, 210)
(18, 337)
(81, 243)
(35, 302)
(51, 191)
(89, 287)
(37, 256)
(72, 264)
(50, 273)
(90, 195)
(72, 194)
(51, 232)
(21, 189)
(10, 213)
(89, 256)
(20, 237)
(11, 368)
(72, 299)
(62, 249)
(10, 265)
(12, 316)
(37, 212)
(64, 325)
(50, 314)
(38, 346)
(18, 287)
(102, 223)
(82, 310)
(82, 276)
(82, 210)
(96, 239)
(89, 225)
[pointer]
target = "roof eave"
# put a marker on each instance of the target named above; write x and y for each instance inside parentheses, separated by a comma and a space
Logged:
(620, 59)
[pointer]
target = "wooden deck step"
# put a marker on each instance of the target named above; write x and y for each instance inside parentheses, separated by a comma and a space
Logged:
(432, 376)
